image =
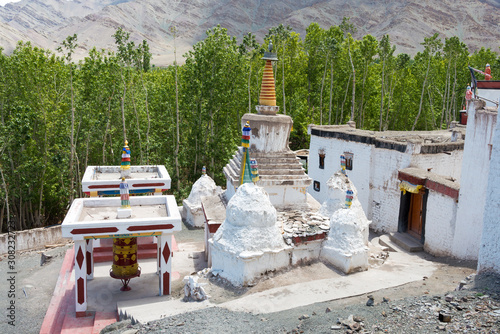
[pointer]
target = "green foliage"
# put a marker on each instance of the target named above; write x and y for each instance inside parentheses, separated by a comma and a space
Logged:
(57, 117)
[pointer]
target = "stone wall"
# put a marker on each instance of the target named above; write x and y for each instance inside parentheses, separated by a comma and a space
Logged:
(33, 239)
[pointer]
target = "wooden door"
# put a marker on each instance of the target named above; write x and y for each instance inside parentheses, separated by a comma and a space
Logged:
(415, 215)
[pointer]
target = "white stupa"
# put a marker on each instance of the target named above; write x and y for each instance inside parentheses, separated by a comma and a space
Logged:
(192, 213)
(346, 246)
(248, 243)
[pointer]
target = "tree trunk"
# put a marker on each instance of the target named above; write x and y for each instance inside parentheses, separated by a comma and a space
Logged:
(249, 92)
(382, 96)
(72, 139)
(6, 199)
(331, 94)
(321, 93)
(345, 98)
(353, 83)
(283, 75)
(137, 125)
(422, 95)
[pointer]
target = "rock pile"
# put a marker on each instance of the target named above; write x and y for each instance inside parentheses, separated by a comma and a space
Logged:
(299, 226)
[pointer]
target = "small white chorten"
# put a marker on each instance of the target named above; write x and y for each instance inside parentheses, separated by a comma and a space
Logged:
(346, 246)
(192, 212)
(248, 243)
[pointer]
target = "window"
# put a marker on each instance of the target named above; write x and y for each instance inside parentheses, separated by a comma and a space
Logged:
(316, 185)
(322, 159)
(348, 160)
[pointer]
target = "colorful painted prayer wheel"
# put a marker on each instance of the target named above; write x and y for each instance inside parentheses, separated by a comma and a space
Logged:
(125, 264)
(125, 257)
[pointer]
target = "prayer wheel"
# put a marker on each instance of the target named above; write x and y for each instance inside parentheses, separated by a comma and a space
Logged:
(125, 264)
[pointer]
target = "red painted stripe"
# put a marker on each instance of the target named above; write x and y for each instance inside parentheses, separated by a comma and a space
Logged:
(151, 227)
(166, 253)
(166, 283)
(79, 257)
(80, 283)
(104, 186)
(89, 263)
(94, 230)
(212, 228)
(148, 185)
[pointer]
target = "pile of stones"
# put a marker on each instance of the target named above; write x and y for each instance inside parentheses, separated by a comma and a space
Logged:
(302, 224)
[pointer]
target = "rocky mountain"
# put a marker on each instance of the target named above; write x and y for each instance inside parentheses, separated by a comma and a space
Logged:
(47, 22)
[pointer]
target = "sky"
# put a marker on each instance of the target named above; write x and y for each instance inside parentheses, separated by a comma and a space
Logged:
(3, 2)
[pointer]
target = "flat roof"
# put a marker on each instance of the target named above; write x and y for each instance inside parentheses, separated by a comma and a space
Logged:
(432, 141)
(90, 214)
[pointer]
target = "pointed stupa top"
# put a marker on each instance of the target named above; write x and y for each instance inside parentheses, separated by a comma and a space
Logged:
(245, 172)
(125, 164)
(270, 55)
(267, 90)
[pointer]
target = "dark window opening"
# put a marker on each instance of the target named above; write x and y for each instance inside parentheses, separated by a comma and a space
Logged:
(322, 160)
(316, 185)
(348, 160)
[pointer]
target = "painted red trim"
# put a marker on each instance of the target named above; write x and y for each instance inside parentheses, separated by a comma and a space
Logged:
(442, 189)
(166, 252)
(212, 228)
(411, 178)
(299, 240)
(166, 283)
(83, 314)
(140, 185)
(80, 283)
(104, 186)
(489, 84)
(151, 227)
(429, 184)
(80, 257)
(89, 263)
(94, 230)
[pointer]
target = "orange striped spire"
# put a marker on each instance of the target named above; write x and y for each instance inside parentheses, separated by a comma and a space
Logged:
(267, 91)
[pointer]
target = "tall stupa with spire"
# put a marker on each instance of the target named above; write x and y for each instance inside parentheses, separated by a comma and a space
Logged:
(280, 172)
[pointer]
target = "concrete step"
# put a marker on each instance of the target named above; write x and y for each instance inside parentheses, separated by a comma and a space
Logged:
(406, 242)
(281, 171)
(384, 240)
(153, 308)
(284, 177)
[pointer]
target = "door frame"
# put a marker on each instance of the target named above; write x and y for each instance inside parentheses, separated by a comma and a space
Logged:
(404, 211)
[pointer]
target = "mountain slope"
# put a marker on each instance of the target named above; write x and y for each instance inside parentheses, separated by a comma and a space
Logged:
(47, 22)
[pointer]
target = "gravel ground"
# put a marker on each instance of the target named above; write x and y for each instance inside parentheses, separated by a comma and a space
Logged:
(34, 286)
(474, 309)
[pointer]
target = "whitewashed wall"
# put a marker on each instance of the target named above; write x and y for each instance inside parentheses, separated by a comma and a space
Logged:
(334, 148)
(385, 188)
(489, 252)
(441, 163)
(473, 182)
(375, 174)
(440, 220)
(490, 94)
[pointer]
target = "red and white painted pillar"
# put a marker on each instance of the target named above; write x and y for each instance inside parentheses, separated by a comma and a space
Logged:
(80, 278)
(90, 258)
(165, 262)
